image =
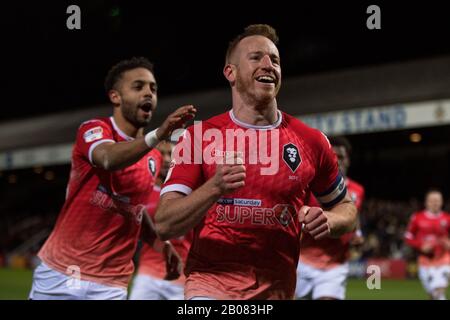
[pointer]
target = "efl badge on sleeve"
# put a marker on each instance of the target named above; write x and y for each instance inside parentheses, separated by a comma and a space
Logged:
(93, 134)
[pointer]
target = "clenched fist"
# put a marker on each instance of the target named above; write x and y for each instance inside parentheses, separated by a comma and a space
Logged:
(315, 222)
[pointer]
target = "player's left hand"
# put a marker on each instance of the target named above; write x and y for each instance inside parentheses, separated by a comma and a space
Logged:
(175, 120)
(174, 263)
(315, 222)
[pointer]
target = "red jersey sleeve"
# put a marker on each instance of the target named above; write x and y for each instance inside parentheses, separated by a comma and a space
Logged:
(411, 233)
(185, 173)
(91, 134)
(356, 191)
(328, 186)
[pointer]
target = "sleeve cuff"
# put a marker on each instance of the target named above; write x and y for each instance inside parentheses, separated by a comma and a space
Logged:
(93, 146)
(177, 188)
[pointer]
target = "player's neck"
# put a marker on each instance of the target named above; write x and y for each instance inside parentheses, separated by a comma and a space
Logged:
(126, 127)
(256, 115)
(433, 213)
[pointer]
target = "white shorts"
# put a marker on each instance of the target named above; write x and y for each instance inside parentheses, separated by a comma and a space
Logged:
(146, 287)
(321, 282)
(49, 284)
(433, 278)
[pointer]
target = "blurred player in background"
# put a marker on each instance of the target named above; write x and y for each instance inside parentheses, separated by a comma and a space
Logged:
(323, 267)
(150, 282)
(114, 166)
(247, 220)
(428, 233)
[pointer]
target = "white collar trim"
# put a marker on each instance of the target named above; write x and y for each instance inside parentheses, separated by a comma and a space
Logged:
(432, 215)
(252, 126)
(120, 132)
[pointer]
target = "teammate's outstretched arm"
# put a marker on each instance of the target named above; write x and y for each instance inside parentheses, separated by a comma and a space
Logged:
(177, 213)
(337, 220)
(114, 156)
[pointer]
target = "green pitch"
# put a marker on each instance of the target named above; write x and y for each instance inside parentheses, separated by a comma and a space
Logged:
(390, 290)
(15, 284)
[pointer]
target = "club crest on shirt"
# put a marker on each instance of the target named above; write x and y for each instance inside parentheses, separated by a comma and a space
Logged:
(285, 214)
(152, 166)
(291, 156)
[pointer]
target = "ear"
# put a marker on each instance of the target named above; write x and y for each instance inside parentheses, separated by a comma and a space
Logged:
(114, 97)
(229, 72)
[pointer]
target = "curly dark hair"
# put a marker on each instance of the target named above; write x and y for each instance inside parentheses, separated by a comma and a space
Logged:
(264, 30)
(116, 71)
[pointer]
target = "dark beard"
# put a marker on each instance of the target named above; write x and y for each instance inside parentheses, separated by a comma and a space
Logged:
(131, 115)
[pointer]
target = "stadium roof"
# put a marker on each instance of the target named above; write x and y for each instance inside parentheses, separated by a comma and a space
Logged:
(48, 68)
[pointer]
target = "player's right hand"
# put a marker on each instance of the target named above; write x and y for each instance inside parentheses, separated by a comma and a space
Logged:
(176, 120)
(229, 177)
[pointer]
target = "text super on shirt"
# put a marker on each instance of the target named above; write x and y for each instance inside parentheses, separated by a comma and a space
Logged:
(247, 245)
(97, 229)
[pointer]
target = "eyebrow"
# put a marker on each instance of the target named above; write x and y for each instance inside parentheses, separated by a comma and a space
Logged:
(272, 55)
(139, 81)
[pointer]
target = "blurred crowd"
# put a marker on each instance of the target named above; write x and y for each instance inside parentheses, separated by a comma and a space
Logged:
(383, 223)
(21, 236)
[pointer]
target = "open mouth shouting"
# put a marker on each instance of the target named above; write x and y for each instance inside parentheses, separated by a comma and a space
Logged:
(146, 106)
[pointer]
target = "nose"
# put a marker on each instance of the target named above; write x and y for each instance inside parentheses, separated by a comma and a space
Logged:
(148, 93)
(267, 62)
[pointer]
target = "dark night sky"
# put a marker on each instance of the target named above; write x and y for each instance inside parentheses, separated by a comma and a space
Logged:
(48, 68)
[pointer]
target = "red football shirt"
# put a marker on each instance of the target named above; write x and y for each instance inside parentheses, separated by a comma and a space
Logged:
(328, 253)
(426, 227)
(152, 262)
(247, 245)
(97, 229)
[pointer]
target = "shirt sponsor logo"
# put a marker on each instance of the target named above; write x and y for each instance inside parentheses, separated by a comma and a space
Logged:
(240, 202)
(280, 214)
(93, 134)
(117, 204)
